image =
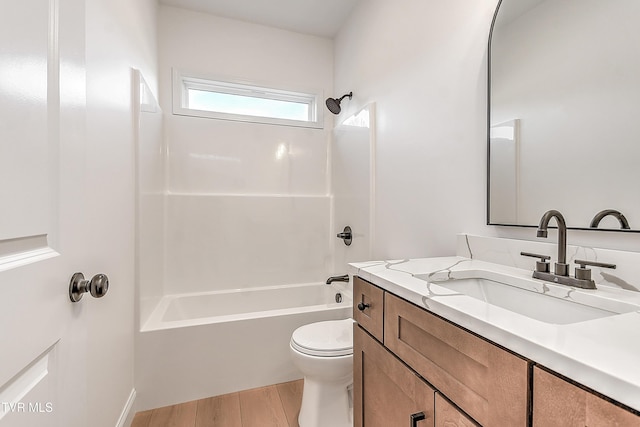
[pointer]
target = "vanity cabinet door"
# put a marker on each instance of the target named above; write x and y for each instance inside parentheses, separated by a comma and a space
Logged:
(393, 392)
(368, 306)
(448, 415)
(557, 402)
(488, 383)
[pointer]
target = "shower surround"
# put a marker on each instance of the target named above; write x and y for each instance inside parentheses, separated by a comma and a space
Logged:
(247, 208)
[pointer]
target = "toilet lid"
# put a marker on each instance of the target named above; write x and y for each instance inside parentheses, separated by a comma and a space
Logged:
(330, 338)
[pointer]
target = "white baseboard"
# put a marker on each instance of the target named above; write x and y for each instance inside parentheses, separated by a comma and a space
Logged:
(126, 417)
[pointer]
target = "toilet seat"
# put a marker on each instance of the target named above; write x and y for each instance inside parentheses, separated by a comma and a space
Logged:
(325, 339)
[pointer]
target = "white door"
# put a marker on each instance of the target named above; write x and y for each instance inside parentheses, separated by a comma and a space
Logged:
(42, 102)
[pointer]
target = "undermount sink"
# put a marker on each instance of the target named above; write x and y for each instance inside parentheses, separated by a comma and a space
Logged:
(534, 304)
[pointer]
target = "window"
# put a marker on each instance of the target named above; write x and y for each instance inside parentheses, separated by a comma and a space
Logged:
(200, 97)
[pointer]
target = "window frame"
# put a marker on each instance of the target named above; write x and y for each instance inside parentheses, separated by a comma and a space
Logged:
(184, 81)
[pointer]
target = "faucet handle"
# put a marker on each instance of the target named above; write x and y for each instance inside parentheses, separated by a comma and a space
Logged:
(583, 264)
(542, 266)
(532, 255)
(584, 273)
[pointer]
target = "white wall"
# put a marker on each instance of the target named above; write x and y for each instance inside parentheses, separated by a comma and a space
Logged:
(120, 34)
(424, 64)
(244, 194)
(351, 186)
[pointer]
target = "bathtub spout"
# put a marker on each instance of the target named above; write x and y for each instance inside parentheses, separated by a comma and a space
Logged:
(343, 278)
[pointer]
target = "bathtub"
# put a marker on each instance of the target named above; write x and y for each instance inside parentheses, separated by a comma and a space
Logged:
(199, 345)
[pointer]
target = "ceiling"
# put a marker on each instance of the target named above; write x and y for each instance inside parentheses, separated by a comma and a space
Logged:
(317, 17)
(512, 10)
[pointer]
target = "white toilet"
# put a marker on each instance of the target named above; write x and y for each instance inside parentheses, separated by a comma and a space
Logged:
(323, 352)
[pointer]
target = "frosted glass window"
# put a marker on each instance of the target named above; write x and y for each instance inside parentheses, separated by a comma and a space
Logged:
(247, 105)
(243, 102)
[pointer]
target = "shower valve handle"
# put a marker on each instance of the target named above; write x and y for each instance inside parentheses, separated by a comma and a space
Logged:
(346, 235)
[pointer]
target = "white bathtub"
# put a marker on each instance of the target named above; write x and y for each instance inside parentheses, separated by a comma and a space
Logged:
(200, 345)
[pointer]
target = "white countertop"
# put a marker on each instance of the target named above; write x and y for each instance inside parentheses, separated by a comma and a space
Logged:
(602, 354)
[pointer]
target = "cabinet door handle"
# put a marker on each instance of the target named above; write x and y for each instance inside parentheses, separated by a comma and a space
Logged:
(362, 306)
(418, 416)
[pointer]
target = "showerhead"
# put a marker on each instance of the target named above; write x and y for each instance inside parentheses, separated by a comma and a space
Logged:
(333, 104)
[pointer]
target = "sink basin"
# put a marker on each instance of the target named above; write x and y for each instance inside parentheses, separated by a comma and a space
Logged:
(536, 305)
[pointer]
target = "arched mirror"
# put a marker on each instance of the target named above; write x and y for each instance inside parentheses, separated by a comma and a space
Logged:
(564, 112)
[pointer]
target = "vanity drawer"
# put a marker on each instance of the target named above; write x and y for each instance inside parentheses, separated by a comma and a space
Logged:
(368, 307)
(487, 382)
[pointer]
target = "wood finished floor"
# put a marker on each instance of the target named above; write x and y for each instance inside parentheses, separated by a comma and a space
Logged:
(272, 406)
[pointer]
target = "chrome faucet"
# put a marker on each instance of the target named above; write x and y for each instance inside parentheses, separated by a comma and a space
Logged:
(582, 277)
(624, 224)
(343, 278)
(561, 267)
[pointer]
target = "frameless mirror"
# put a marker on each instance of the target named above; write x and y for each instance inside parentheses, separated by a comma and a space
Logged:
(564, 112)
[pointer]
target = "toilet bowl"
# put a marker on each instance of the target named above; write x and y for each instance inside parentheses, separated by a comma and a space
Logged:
(323, 352)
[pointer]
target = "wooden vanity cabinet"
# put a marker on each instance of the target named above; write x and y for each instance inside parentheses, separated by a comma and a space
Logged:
(488, 383)
(403, 355)
(408, 360)
(449, 415)
(557, 402)
(393, 394)
(368, 307)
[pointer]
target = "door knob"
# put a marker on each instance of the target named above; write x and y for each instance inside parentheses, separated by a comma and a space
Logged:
(97, 286)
